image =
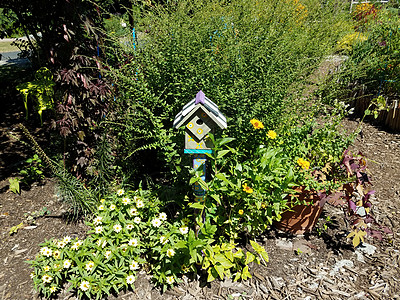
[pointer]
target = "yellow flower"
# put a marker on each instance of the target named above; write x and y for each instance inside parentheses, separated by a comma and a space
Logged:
(53, 289)
(247, 189)
(271, 134)
(257, 124)
(241, 212)
(305, 165)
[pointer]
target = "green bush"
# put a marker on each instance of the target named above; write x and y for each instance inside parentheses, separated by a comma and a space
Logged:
(245, 55)
(130, 233)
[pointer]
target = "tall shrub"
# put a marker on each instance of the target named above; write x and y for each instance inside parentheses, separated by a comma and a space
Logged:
(245, 56)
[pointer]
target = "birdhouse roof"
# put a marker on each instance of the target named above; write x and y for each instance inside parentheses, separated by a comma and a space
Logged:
(203, 103)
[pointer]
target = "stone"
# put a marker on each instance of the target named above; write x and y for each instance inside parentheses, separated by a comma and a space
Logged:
(367, 248)
(284, 245)
(340, 264)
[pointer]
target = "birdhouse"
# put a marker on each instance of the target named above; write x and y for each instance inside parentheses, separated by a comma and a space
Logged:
(200, 117)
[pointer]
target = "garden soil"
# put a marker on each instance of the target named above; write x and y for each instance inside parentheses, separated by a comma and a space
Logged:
(319, 265)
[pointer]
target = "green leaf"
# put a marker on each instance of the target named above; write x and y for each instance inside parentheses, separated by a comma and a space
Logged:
(222, 153)
(220, 271)
(225, 141)
(222, 177)
(249, 258)
(15, 229)
(211, 275)
(216, 198)
(221, 258)
(245, 273)
(237, 276)
(257, 247)
(196, 205)
(14, 185)
(193, 180)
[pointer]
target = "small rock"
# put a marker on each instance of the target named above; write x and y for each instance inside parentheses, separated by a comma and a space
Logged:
(360, 257)
(302, 247)
(367, 248)
(284, 245)
(340, 264)
(277, 282)
(20, 251)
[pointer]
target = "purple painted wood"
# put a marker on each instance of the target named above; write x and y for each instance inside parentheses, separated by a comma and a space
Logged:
(200, 97)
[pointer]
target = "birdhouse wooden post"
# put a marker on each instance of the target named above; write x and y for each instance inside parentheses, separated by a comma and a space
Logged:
(200, 117)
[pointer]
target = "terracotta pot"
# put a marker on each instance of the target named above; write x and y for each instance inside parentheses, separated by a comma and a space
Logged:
(301, 218)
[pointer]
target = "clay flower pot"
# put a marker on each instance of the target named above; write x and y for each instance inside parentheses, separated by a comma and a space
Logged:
(301, 218)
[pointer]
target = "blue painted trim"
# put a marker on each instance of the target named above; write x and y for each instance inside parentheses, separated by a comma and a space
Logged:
(197, 151)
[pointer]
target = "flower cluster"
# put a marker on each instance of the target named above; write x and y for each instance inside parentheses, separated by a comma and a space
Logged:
(304, 164)
(124, 231)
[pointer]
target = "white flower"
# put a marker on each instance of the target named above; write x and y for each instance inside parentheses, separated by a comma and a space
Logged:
(139, 204)
(136, 220)
(61, 244)
(170, 279)
(67, 264)
(101, 207)
(134, 265)
(46, 268)
(47, 278)
(46, 251)
(126, 200)
(123, 24)
(53, 289)
(67, 239)
(84, 286)
(89, 266)
(104, 244)
(133, 242)
(117, 228)
(130, 279)
(98, 220)
(133, 211)
(170, 252)
(32, 275)
(163, 239)
(107, 254)
(184, 229)
(163, 216)
(156, 222)
(76, 245)
(112, 206)
(98, 229)
(129, 226)
(120, 192)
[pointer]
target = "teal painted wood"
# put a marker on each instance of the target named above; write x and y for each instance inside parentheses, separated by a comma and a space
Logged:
(197, 151)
